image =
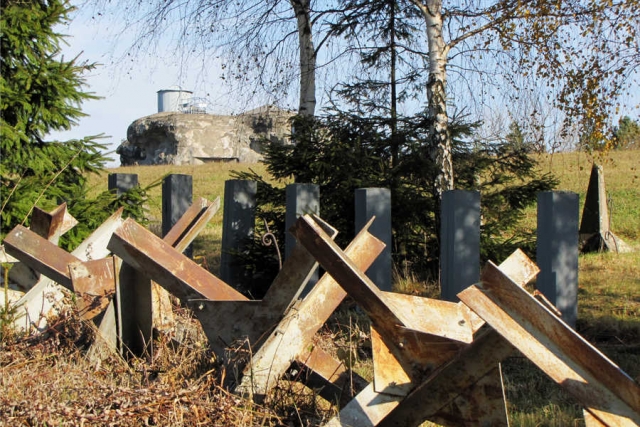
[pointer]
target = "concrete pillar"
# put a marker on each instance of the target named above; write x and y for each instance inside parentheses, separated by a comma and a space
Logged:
(122, 182)
(557, 251)
(460, 242)
(177, 196)
(301, 199)
(376, 202)
(237, 225)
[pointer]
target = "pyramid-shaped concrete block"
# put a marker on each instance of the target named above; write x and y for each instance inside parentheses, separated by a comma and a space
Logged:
(595, 228)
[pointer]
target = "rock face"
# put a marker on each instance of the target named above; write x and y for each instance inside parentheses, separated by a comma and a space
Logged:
(179, 138)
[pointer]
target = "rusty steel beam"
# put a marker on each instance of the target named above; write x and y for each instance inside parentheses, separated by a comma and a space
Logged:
(602, 387)
(430, 398)
(258, 317)
(52, 225)
(94, 285)
(40, 299)
(367, 409)
(294, 334)
(49, 225)
(450, 381)
(345, 272)
(416, 351)
(144, 304)
(40, 254)
(294, 275)
(317, 369)
(458, 390)
(163, 264)
(191, 223)
(436, 317)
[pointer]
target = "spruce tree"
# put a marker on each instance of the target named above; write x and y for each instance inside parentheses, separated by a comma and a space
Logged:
(41, 92)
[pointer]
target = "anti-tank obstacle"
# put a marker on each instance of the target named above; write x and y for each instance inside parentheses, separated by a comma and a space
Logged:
(433, 360)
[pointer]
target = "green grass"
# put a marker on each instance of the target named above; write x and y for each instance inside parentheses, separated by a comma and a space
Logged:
(208, 182)
(609, 284)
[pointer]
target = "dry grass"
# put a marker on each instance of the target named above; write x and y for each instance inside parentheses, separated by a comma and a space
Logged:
(48, 380)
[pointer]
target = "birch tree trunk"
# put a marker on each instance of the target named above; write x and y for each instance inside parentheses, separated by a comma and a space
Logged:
(307, 104)
(436, 95)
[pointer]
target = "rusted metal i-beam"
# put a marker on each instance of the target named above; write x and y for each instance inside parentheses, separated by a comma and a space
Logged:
(292, 339)
(40, 254)
(163, 264)
(466, 386)
(143, 304)
(606, 391)
(49, 259)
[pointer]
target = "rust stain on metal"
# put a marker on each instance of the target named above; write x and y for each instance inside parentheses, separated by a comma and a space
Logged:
(605, 390)
(482, 404)
(191, 223)
(52, 225)
(292, 277)
(94, 285)
(389, 376)
(323, 364)
(435, 317)
(417, 352)
(430, 398)
(519, 267)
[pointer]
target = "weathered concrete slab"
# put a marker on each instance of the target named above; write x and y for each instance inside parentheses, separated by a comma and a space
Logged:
(459, 242)
(376, 202)
(237, 227)
(557, 251)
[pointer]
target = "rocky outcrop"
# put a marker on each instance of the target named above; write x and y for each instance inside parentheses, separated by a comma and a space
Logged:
(179, 138)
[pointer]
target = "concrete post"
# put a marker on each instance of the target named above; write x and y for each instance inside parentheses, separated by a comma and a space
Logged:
(237, 225)
(460, 242)
(557, 251)
(122, 182)
(177, 196)
(301, 199)
(377, 202)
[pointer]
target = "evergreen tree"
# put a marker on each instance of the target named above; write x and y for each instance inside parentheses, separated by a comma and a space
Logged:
(364, 142)
(41, 92)
(627, 134)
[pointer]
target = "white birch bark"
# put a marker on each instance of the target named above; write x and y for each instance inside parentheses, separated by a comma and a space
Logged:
(436, 94)
(307, 104)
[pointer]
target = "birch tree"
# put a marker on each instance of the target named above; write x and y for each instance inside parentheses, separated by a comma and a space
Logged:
(584, 50)
(256, 40)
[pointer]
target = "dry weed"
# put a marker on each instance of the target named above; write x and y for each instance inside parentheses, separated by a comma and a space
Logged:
(48, 380)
